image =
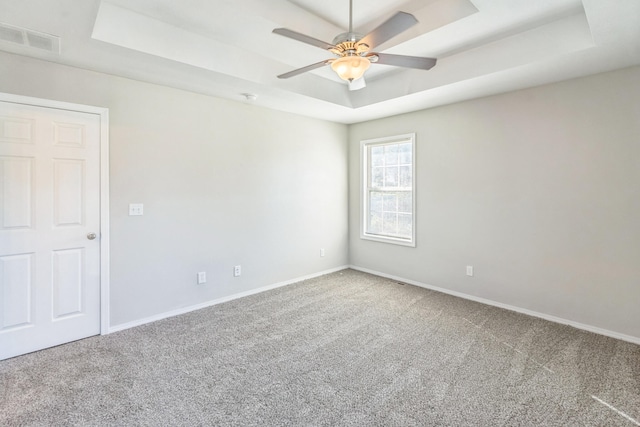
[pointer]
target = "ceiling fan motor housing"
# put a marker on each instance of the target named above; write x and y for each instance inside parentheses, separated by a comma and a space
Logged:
(346, 44)
(347, 37)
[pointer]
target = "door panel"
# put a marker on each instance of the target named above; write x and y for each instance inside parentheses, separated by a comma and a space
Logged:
(16, 272)
(68, 266)
(68, 192)
(16, 183)
(16, 129)
(49, 202)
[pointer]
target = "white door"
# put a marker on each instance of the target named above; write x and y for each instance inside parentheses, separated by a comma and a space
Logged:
(49, 211)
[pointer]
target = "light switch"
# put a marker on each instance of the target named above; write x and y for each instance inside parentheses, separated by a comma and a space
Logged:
(136, 209)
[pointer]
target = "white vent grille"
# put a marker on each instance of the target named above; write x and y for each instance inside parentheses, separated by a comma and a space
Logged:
(8, 34)
(29, 38)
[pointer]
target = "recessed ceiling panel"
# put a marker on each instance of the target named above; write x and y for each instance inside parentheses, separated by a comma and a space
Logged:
(226, 47)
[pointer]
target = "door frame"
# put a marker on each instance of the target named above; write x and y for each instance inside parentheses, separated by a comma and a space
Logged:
(103, 113)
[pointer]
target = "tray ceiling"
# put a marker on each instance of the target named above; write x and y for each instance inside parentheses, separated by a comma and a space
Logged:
(225, 48)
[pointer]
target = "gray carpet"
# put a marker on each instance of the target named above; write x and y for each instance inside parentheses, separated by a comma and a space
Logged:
(345, 349)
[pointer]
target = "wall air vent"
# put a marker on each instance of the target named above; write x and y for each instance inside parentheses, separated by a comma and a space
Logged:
(29, 38)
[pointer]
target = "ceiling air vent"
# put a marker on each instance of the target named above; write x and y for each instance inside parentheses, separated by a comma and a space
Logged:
(29, 38)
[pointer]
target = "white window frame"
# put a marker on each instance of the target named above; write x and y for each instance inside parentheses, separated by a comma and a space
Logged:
(366, 188)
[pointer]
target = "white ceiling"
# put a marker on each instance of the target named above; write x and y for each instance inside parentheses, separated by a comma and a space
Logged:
(225, 47)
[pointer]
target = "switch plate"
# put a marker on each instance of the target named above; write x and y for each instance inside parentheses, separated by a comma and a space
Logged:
(202, 278)
(136, 209)
(469, 270)
(322, 252)
(237, 271)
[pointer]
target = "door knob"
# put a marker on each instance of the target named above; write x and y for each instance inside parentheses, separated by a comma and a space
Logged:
(91, 236)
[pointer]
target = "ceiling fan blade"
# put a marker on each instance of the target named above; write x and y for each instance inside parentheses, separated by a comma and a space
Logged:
(303, 69)
(357, 84)
(303, 38)
(390, 28)
(405, 61)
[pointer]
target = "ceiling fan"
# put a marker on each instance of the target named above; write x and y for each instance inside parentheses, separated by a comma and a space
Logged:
(354, 52)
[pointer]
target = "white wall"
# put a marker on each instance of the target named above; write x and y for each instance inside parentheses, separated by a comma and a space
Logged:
(539, 190)
(222, 182)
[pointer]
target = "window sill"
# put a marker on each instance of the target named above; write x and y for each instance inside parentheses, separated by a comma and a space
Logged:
(392, 240)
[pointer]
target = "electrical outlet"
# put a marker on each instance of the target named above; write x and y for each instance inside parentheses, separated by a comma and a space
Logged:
(469, 270)
(237, 271)
(136, 209)
(322, 252)
(202, 278)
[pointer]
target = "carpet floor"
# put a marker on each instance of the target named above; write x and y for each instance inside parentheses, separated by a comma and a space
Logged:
(347, 349)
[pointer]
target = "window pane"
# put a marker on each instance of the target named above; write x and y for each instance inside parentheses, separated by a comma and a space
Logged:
(391, 177)
(405, 224)
(405, 176)
(377, 155)
(391, 155)
(404, 202)
(391, 202)
(375, 222)
(377, 177)
(390, 223)
(375, 202)
(404, 150)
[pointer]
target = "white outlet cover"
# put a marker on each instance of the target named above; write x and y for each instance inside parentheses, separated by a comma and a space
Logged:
(136, 209)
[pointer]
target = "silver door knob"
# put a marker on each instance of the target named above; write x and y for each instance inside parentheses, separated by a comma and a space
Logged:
(91, 236)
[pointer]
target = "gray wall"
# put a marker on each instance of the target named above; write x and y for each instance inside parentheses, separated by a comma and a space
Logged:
(538, 189)
(222, 182)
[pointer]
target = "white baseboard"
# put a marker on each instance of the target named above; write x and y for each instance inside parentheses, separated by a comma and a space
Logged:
(589, 328)
(210, 303)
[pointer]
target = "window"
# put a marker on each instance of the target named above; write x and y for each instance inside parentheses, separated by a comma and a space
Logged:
(388, 202)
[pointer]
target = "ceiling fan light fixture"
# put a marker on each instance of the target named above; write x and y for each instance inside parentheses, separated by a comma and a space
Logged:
(350, 68)
(354, 52)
